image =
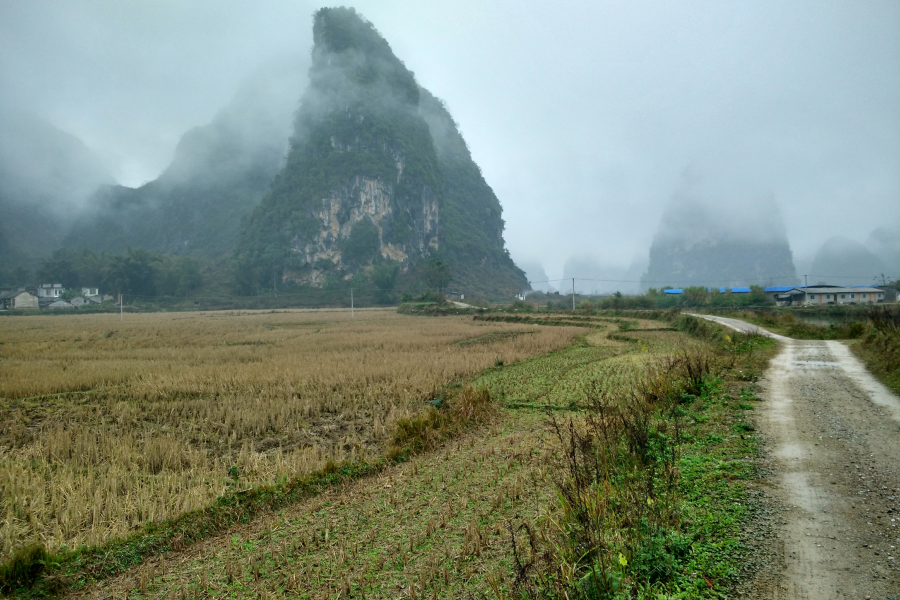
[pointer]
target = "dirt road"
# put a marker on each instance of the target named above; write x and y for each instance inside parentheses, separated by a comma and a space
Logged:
(831, 439)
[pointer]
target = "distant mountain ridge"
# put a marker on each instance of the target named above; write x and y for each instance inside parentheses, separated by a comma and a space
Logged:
(218, 174)
(45, 175)
(377, 173)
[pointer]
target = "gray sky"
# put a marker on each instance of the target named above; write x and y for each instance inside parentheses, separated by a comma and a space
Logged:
(586, 118)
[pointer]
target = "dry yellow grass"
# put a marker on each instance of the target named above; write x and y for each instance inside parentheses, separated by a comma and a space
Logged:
(105, 426)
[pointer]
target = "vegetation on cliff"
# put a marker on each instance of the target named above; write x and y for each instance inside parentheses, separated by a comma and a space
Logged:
(471, 215)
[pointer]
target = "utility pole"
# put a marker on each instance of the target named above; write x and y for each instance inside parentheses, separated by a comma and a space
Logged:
(120, 308)
(573, 294)
(805, 282)
(351, 303)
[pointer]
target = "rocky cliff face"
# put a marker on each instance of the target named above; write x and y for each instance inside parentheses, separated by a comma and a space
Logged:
(377, 172)
(364, 201)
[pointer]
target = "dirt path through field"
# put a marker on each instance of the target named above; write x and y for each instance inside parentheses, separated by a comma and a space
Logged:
(831, 436)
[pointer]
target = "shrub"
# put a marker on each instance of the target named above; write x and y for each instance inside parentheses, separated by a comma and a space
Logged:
(426, 430)
(23, 568)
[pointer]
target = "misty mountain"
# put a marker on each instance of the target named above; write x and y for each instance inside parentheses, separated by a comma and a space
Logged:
(592, 277)
(842, 261)
(716, 243)
(45, 176)
(218, 174)
(884, 243)
(377, 174)
(537, 276)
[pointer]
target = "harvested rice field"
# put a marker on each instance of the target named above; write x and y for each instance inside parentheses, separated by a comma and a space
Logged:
(106, 426)
(438, 526)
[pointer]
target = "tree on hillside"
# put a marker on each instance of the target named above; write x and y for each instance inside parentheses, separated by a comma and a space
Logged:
(384, 276)
(132, 273)
(438, 274)
(60, 268)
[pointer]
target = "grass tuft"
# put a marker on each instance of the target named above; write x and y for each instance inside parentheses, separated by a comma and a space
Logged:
(424, 431)
(23, 568)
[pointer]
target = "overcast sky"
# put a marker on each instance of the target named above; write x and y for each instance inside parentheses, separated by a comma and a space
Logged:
(586, 118)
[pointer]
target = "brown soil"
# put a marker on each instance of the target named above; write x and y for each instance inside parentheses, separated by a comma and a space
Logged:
(831, 441)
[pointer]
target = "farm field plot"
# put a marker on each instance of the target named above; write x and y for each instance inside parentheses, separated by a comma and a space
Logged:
(105, 426)
(601, 322)
(607, 357)
(438, 526)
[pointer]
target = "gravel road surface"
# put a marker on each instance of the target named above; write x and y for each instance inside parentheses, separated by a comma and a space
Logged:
(831, 441)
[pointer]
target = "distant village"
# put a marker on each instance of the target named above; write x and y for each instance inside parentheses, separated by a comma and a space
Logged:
(814, 295)
(50, 296)
(54, 297)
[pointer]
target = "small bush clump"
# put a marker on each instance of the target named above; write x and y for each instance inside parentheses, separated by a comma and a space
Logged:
(619, 517)
(424, 431)
(23, 568)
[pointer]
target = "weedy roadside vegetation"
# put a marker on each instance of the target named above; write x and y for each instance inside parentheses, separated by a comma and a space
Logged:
(788, 324)
(880, 345)
(650, 499)
(108, 427)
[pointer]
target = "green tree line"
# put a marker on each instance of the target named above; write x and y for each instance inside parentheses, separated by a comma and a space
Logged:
(138, 272)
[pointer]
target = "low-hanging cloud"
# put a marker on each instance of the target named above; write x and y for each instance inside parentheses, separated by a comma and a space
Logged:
(583, 118)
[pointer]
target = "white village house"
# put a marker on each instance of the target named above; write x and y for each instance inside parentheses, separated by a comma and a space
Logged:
(830, 294)
(50, 290)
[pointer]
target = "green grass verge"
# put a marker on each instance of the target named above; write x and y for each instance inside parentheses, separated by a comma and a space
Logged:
(880, 351)
(716, 466)
(620, 529)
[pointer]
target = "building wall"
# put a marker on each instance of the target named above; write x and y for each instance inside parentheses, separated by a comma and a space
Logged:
(843, 297)
(26, 301)
(52, 291)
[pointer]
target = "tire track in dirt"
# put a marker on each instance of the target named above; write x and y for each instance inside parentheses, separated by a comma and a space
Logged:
(831, 437)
